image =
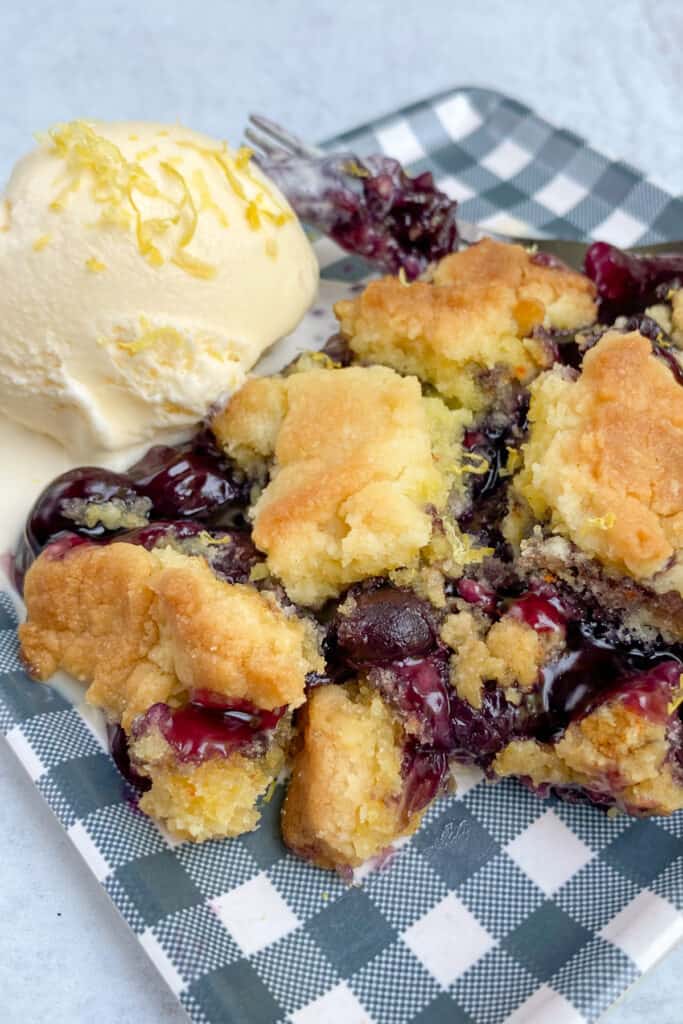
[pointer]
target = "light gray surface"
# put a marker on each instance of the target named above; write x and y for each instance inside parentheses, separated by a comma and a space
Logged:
(612, 71)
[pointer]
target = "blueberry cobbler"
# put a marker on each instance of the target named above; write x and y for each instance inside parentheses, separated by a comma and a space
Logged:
(454, 536)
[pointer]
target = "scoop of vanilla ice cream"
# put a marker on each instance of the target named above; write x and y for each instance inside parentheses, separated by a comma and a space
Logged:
(144, 270)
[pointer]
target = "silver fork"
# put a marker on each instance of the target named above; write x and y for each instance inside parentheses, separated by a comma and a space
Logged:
(307, 174)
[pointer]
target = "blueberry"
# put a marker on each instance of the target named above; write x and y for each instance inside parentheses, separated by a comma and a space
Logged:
(383, 626)
(87, 484)
(183, 483)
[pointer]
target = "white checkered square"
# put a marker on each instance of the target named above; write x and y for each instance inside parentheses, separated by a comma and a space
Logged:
(548, 852)
(338, 1006)
(458, 116)
(255, 914)
(455, 188)
(506, 160)
(620, 228)
(400, 141)
(467, 941)
(561, 194)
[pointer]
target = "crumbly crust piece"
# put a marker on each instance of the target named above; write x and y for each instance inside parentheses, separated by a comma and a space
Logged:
(211, 800)
(344, 799)
(353, 473)
(473, 316)
(604, 461)
(509, 653)
(614, 751)
(149, 626)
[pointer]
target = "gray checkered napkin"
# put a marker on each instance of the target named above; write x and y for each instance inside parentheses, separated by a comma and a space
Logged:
(503, 907)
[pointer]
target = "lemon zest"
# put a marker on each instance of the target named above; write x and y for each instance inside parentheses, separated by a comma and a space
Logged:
(206, 538)
(270, 792)
(514, 461)
(150, 336)
(206, 200)
(477, 467)
(353, 168)
(677, 700)
(187, 200)
(191, 265)
(603, 522)
(252, 215)
(94, 265)
(271, 248)
(142, 154)
(41, 242)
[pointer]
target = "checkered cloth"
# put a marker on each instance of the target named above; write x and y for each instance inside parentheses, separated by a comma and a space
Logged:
(503, 907)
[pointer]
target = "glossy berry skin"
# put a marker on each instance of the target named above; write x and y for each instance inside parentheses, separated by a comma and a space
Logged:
(627, 283)
(87, 484)
(183, 484)
(384, 625)
(425, 774)
(209, 726)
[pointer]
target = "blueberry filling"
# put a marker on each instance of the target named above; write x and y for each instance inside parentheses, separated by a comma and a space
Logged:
(209, 726)
(88, 484)
(120, 752)
(192, 480)
(371, 207)
(383, 625)
(627, 283)
(183, 482)
(419, 689)
(425, 775)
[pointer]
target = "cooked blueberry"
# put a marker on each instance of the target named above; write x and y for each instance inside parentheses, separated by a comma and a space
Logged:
(57, 507)
(480, 733)
(183, 484)
(118, 745)
(210, 726)
(384, 625)
(425, 773)
(420, 690)
(544, 614)
(477, 593)
(627, 283)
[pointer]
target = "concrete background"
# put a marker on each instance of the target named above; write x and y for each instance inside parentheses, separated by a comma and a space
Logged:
(611, 70)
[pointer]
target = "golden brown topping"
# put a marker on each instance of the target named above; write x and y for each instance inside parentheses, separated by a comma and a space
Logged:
(475, 315)
(604, 461)
(149, 626)
(353, 473)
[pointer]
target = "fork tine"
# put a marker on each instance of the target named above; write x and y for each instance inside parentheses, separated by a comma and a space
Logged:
(290, 142)
(263, 144)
